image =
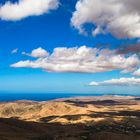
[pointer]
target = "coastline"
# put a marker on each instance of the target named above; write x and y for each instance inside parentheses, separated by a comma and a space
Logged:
(9, 97)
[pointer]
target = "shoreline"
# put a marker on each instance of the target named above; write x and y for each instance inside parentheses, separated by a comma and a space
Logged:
(10, 97)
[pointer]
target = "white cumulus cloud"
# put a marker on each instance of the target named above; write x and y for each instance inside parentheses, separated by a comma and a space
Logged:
(137, 72)
(118, 17)
(24, 8)
(80, 59)
(37, 53)
(122, 82)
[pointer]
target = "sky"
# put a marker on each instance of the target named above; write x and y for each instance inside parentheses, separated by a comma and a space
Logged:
(70, 46)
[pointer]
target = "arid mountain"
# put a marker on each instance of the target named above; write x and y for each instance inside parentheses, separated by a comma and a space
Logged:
(98, 118)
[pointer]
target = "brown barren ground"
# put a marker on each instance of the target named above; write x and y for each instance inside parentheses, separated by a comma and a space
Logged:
(80, 118)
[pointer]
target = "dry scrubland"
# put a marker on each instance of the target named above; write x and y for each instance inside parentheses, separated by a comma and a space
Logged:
(80, 118)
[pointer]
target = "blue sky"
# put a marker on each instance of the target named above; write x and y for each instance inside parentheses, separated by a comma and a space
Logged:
(51, 30)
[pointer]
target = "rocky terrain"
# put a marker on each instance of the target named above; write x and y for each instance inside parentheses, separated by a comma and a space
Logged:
(79, 118)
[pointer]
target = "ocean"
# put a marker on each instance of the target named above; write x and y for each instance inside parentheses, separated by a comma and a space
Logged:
(6, 97)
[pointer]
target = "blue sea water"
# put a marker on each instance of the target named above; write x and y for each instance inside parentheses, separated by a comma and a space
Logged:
(6, 97)
(37, 96)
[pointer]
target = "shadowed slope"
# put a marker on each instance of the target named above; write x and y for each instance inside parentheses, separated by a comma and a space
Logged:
(13, 129)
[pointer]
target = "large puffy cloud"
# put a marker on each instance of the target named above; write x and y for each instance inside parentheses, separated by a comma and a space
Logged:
(25, 8)
(121, 81)
(119, 17)
(83, 59)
